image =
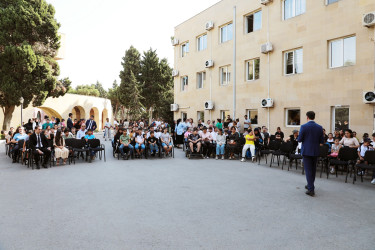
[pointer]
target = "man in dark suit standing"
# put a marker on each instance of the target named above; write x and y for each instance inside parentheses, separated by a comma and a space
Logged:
(69, 122)
(311, 136)
(91, 124)
(39, 145)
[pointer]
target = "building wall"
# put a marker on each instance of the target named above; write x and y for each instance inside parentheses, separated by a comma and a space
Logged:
(318, 88)
(62, 106)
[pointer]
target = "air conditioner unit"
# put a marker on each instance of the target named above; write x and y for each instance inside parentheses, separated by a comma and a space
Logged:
(209, 105)
(368, 19)
(209, 63)
(174, 107)
(174, 72)
(209, 25)
(266, 48)
(267, 103)
(175, 41)
(265, 1)
(369, 97)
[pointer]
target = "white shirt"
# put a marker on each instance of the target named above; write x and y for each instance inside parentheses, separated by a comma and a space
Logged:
(246, 126)
(213, 134)
(157, 134)
(108, 125)
(81, 134)
(115, 123)
(126, 124)
(139, 138)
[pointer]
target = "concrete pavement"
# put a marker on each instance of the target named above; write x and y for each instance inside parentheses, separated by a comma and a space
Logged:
(179, 204)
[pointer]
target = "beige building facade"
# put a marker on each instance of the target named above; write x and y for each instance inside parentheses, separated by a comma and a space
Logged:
(322, 60)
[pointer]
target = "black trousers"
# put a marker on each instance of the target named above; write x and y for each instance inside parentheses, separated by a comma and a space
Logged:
(15, 152)
(207, 148)
(46, 155)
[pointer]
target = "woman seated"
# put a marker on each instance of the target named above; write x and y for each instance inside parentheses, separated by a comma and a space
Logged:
(166, 142)
(349, 140)
(61, 152)
(232, 142)
(220, 144)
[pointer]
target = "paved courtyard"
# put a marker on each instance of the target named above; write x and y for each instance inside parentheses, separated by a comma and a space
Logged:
(179, 204)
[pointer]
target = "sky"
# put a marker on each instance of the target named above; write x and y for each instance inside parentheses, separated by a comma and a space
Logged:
(99, 32)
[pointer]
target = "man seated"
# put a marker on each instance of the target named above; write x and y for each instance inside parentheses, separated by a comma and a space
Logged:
(39, 145)
(82, 132)
(46, 124)
(195, 141)
(294, 139)
(139, 143)
(67, 134)
(125, 144)
(166, 142)
(206, 142)
(153, 143)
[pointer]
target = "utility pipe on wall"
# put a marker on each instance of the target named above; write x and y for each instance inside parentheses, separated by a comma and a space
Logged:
(234, 62)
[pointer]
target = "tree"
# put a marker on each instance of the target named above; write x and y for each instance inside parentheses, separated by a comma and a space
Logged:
(157, 83)
(28, 44)
(88, 90)
(102, 92)
(135, 106)
(131, 65)
(113, 95)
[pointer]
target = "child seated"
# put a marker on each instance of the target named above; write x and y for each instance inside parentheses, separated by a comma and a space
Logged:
(335, 152)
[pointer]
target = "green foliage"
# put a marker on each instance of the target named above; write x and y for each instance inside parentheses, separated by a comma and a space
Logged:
(114, 96)
(135, 106)
(88, 90)
(102, 92)
(28, 43)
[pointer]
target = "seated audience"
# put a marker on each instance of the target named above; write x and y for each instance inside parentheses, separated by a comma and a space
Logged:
(195, 141)
(125, 144)
(233, 140)
(82, 132)
(60, 150)
(249, 144)
(139, 143)
(348, 140)
(153, 143)
(166, 142)
(39, 146)
(206, 142)
(220, 144)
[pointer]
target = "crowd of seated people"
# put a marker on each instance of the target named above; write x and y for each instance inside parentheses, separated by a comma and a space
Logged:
(47, 136)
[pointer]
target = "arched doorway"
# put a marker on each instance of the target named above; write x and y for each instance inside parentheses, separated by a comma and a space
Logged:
(95, 112)
(50, 112)
(104, 116)
(78, 113)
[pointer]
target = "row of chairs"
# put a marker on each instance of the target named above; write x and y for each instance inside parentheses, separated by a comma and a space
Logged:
(346, 160)
(146, 153)
(76, 148)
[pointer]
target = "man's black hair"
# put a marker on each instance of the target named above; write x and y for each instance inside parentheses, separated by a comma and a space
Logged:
(311, 115)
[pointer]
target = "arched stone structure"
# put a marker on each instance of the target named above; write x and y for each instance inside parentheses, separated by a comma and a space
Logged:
(51, 112)
(78, 112)
(95, 112)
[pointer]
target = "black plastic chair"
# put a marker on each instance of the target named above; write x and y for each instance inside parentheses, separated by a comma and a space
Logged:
(276, 152)
(79, 147)
(323, 159)
(266, 150)
(346, 158)
(286, 149)
(94, 145)
(369, 164)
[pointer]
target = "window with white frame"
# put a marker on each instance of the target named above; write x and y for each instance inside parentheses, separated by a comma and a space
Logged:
(252, 69)
(342, 52)
(332, 1)
(184, 49)
(224, 114)
(202, 42)
(293, 117)
(184, 83)
(224, 75)
(183, 116)
(201, 78)
(252, 114)
(340, 118)
(200, 116)
(293, 62)
(254, 21)
(226, 33)
(293, 8)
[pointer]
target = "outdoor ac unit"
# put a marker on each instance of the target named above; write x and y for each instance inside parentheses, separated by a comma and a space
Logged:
(368, 19)
(267, 103)
(369, 97)
(209, 105)
(175, 41)
(174, 72)
(209, 25)
(174, 107)
(265, 1)
(209, 63)
(266, 48)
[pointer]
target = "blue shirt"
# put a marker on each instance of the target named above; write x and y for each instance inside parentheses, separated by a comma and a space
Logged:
(89, 137)
(180, 129)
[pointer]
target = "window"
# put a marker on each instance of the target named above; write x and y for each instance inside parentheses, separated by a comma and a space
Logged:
(332, 1)
(184, 49)
(254, 21)
(224, 75)
(223, 115)
(293, 117)
(200, 116)
(202, 42)
(226, 33)
(293, 62)
(342, 52)
(201, 78)
(184, 83)
(340, 118)
(183, 116)
(252, 114)
(294, 8)
(252, 69)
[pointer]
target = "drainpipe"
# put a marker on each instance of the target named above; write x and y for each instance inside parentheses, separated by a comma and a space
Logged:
(269, 65)
(234, 63)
